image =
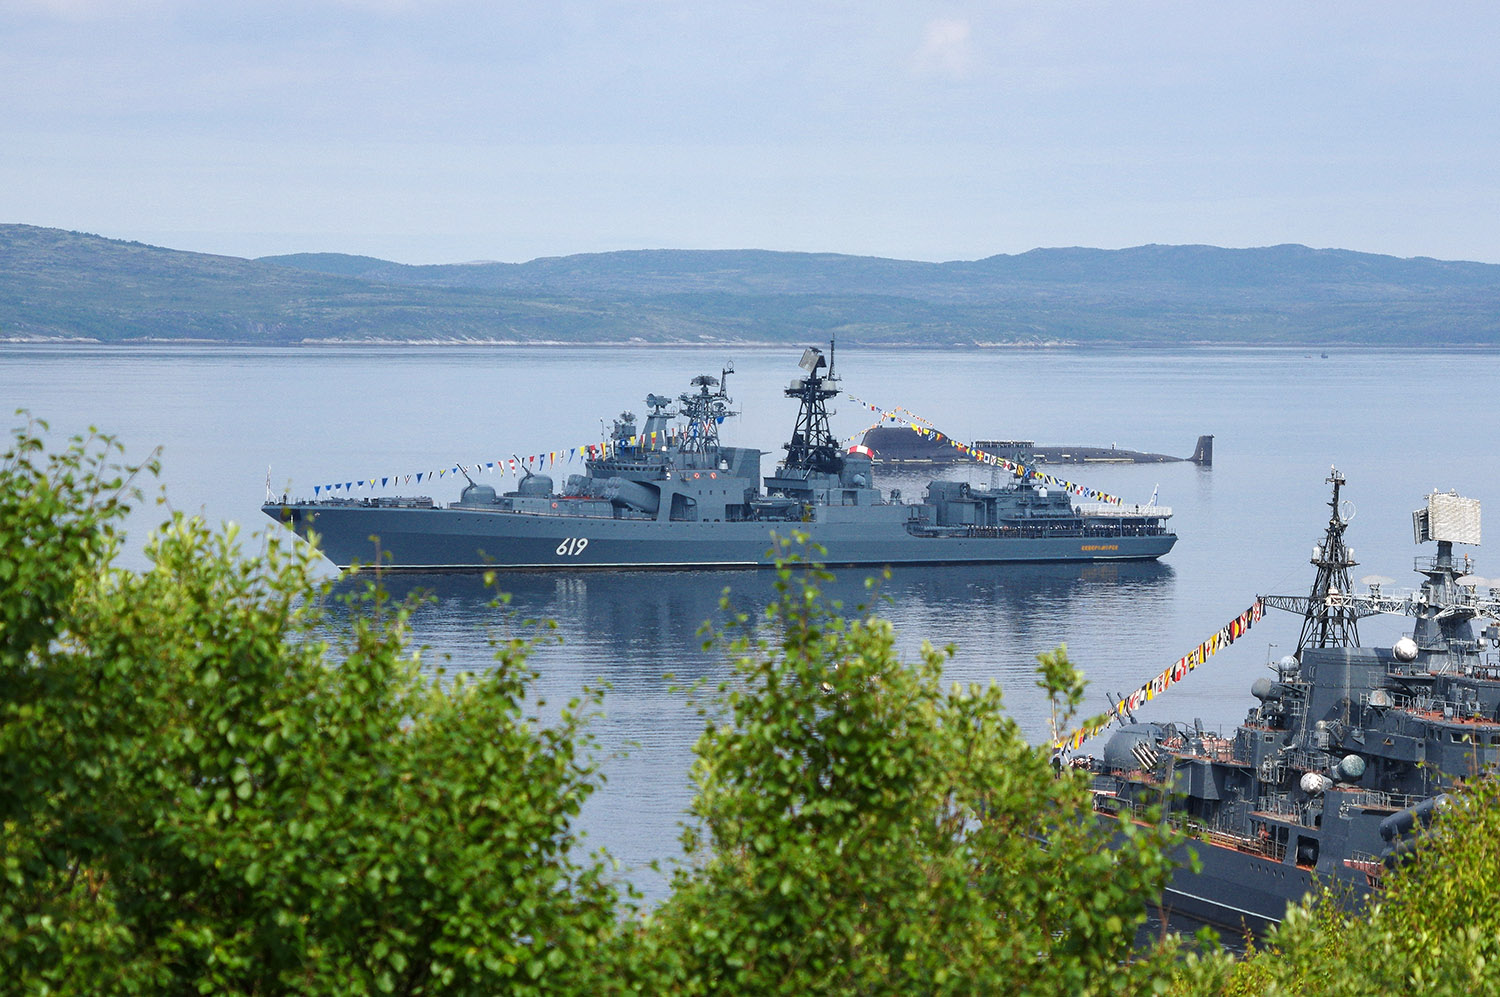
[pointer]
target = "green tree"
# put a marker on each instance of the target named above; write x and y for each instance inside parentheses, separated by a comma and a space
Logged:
(198, 796)
(862, 830)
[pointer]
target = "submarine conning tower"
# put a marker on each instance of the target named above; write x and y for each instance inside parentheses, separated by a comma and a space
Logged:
(1203, 453)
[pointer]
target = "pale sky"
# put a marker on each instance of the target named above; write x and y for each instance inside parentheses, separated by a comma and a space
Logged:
(436, 131)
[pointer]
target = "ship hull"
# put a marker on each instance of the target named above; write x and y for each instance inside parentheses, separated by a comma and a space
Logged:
(464, 539)
(1244, 891)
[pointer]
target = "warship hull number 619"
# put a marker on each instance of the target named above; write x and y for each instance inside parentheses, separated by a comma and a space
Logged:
(696, 503)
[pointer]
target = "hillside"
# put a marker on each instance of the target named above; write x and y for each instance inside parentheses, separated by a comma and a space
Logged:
(68, 285)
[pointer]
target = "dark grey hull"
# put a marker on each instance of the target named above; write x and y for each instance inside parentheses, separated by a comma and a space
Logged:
(901, 447)
(463, 539)
(1243, 891)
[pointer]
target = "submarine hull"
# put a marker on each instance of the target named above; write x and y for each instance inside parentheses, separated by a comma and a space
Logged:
(900, 446)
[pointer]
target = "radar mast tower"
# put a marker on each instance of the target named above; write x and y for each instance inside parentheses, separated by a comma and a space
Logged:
(812, 447)
(705, 410)
(1331, 622)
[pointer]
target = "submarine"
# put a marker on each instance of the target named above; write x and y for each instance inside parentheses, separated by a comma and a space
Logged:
(898, 445)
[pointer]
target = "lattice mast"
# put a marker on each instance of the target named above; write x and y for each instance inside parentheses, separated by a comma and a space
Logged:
(705, 410)
(1331, 622)
(813, 447)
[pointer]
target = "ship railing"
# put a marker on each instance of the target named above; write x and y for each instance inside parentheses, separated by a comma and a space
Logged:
(1281, 805)
(1367, 862)
(1461, 650)
(1371, 865)
(1461, 565)
(1301, 814)
(1255, 846)
(1112, 511)
(1144, 776)
(1041, 528)
(1113, 805)
(1276, 804)
(1306, 761)
(1374, 799)
(1392, 699)
(1208, 746)
(376, 502)
(1036, 530)
(1106, 800)
(401, 502)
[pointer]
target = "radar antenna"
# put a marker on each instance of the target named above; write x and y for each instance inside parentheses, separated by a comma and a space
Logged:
(1328, 620)
(705, 410)
(1443, 637)
(813, 447)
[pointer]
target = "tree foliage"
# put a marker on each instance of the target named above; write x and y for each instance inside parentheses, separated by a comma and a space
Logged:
(863, 830)
(197, 795)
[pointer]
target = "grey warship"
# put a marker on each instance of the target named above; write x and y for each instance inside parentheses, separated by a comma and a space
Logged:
(698, 503)
(1350, 751)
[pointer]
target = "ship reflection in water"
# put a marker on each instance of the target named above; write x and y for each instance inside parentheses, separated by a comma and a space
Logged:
(634, 629)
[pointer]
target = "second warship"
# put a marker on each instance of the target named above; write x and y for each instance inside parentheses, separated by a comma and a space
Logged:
(695, 502)
(1349, 752)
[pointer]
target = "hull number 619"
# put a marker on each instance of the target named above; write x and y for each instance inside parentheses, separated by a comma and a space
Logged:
(572, 546)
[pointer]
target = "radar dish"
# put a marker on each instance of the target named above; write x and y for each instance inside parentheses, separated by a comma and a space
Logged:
(812, 359)
(1448, 517)
(1346, 511)
(1405, 649)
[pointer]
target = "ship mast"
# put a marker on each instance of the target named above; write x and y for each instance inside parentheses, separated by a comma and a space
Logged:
(1331, 622)
(705, 410)
(813, 447)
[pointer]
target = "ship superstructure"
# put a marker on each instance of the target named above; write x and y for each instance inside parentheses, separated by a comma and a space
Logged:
(669, 493)
(1349, 751)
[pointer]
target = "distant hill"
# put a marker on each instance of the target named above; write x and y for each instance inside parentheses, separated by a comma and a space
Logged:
(69, 285)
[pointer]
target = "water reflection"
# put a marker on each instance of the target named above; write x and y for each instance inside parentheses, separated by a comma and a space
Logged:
(635, 625)
(635, 629)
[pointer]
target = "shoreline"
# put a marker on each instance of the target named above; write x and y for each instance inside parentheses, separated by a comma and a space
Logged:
(84, 342)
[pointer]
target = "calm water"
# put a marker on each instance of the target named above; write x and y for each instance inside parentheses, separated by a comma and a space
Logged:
(1397, 424)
